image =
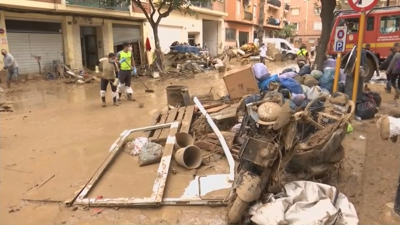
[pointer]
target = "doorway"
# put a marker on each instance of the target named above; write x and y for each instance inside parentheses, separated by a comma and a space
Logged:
(90, 57)
(243, 38)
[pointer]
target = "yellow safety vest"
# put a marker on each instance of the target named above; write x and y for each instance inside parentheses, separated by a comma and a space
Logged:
(128, 57)
(302, 52)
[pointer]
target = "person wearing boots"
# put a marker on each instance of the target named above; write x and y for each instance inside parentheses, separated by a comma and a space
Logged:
(109, 76)
(11, 65)
(126, 66)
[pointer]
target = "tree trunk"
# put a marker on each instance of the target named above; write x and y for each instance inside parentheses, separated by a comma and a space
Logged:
(159, 52)
(327, 8)
(261, 21)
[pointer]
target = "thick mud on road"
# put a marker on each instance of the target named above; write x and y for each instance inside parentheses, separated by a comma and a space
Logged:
(60, 133)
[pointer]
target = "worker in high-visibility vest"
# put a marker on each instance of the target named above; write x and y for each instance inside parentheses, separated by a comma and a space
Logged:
(126, 66)
(302, 56)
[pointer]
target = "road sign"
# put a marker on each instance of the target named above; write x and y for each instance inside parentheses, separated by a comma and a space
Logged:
(362, 5)
(340, 39)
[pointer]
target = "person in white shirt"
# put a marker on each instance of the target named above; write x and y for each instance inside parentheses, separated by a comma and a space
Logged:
(263, 53)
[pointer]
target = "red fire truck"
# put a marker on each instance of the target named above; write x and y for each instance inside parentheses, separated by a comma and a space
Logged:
(382, 30)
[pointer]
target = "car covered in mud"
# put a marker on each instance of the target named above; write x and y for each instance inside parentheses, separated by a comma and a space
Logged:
(280, 144)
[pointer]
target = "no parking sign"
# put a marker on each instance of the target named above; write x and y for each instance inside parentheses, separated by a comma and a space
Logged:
(340, 39)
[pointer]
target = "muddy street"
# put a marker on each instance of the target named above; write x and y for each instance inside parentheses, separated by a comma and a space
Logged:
(59, 134)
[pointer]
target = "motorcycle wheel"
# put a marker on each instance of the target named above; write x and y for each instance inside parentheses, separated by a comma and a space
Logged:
(237, 210)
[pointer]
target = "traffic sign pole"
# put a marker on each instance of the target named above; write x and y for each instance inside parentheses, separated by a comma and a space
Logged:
(337, 71)
(358, 59)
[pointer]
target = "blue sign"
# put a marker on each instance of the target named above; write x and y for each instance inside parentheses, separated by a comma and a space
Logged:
(339, 46)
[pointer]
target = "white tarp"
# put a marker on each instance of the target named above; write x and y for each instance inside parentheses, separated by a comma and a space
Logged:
(308, 203)
(394, 126)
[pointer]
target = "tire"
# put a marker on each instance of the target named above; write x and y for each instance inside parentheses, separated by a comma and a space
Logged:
(237, 210)
(370, 68)
(290, 56)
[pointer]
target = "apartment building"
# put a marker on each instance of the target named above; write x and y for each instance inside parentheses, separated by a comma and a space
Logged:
(79, 32)
(306, 17)
(241, 23)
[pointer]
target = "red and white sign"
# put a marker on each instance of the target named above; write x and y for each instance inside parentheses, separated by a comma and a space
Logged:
(362, 5)
(2, 31)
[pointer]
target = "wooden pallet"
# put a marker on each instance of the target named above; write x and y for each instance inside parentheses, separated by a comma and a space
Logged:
(182, 114)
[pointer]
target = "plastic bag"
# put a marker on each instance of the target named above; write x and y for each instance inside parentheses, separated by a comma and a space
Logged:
(265, 83)
(291, 69)
(288, 75)
(305, 70)
(310, 81)
(326, 80)
(151, 153)
(367, 108)
(260, 71)
(376, 96)
(292, 85)
(137, 145)
(316, 74)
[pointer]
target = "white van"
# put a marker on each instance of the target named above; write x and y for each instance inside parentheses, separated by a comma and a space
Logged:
(281, 44)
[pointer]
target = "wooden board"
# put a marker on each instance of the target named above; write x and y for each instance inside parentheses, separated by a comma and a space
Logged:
(182, 114)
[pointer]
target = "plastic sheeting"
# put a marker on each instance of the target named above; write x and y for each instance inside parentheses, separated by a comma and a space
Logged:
(394, 126)
(260, 71)
(308, 203)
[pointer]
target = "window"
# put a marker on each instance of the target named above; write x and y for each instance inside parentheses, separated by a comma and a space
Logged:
(295, 11)
(317, 26)
(191, 39)
(370, 23)
(296, 25)
(230, 34)
(284, 46)
(311, 40)
(390, 24)
(351, 23)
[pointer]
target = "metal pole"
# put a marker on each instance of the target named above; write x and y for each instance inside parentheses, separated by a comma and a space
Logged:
(358, 59)
(337, 72)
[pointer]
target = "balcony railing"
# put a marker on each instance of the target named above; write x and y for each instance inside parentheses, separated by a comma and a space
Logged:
(102, 4)
(273, 21)
(248, 16)
(287, 7)
(276, 3)
(202, 4)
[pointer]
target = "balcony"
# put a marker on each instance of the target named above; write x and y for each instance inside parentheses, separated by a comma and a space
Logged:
(102, 4)
(287, 7)
(202, 4)
(274, 3)
(274, 22)
(285, 23)
(248, 16)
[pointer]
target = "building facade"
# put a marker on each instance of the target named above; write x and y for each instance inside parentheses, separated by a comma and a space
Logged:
(79, 32)
(241, 23)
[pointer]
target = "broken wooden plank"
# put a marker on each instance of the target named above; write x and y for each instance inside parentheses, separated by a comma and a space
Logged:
(171, 118)
(225, 113)
(154, 119)
(187, 119)
(164, 116)
(218, 108)
(181, 113)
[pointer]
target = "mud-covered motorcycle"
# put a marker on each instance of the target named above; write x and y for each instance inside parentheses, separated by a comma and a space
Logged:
(271, 137)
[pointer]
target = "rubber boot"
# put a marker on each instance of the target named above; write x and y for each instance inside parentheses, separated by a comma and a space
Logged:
(119, 96)
(115, 102)
(8, 84)
(103, 101)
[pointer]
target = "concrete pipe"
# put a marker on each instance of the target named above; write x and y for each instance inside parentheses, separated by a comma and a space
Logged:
(189, 157)
(183, 140)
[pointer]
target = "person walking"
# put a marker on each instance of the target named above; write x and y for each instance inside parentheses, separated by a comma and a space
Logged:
(11, 65)
(263, 53)
(302, 56)
(393, 72)
(109, 76)
(386, 63)
(126, 68)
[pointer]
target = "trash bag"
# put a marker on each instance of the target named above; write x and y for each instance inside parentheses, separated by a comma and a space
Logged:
(150, 153)
(260, 71)
(288, 75)
(292, 85)
(310, 81)
(298, 98)
(367, 108)
(299, 79)
(326, 80)
(263, 85)
(306, 69)
(316, 74)
(291, 69)
(376, 96)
